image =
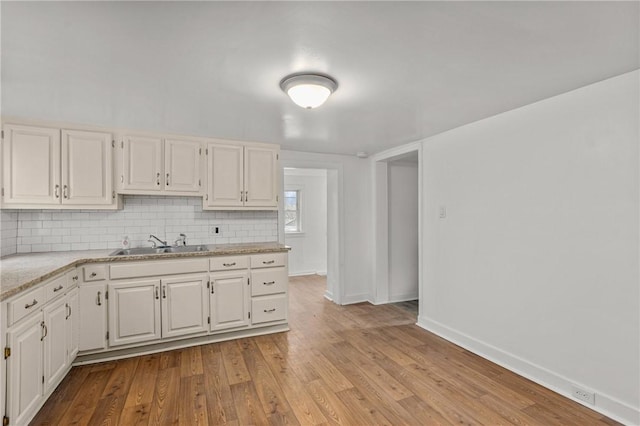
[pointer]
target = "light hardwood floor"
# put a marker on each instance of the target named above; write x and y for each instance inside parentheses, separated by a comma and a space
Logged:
(351, 365)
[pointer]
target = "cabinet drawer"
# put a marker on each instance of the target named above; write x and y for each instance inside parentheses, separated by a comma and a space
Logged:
(26, 304)
(268, 260)
(158, 267)
(95, 273)
(269, 309)
(269, 281)
(56, 287)
(228, 263)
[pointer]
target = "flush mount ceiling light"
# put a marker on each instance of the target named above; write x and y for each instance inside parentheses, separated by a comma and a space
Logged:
(308, 90)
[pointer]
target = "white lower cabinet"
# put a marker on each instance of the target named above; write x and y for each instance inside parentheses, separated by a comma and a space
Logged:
(40, 349)
(229, 300)
(92, 315)
(24, 369)
(55, 342)
(185, 308)
(134, 312)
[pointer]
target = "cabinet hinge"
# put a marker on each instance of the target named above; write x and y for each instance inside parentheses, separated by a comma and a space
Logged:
(42, 379)
(3, 192)
(106, 295)
(122, 144)
(277, 156)
(208, 284)
(113, 143)
(247, 281)
(208, 320)
(200, 151)
(2, 134)
(249, 315)
(5, 421)
(277, 198)
(206, 151)
(107, 335)
(7, 352)
(199, 182)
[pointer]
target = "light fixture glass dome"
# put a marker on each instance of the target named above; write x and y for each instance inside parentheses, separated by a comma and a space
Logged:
(308, 90)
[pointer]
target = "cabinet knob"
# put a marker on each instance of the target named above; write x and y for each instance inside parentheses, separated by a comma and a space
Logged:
(93, 274)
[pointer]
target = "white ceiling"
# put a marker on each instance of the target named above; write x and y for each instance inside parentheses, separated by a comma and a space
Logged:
(406, 70)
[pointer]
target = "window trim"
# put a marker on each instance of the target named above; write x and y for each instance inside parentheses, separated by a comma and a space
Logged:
(299, 198)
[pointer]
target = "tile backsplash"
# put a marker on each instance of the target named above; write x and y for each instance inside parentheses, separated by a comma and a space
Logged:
(165, 217)
(8, 232)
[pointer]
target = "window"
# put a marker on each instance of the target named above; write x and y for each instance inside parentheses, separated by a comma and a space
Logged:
(292, 222)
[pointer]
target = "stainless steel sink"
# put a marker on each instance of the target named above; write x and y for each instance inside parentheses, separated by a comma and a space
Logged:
(159, 250)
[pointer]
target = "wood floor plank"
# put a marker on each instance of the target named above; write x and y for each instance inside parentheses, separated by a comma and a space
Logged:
(349, 365)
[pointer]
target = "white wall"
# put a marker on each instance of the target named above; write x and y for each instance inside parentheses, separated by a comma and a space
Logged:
(165, 217)
(403, 230)
(308, 253)
(8, 232)
(537, 263)
(354, 216)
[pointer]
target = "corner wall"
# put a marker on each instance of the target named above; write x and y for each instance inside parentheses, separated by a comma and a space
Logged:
(536, 265)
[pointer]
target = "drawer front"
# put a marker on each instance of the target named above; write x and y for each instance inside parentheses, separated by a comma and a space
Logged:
(73, 278)
(56, 287)
(269, 281)
(268, 260)
(158, 267)
(26, 304)
(228, 263)
(268, 309)
(94, 273)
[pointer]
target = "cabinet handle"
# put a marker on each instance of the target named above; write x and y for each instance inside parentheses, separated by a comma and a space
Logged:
(70, 311)
(167, 179)
(164, 291)
(269, 283)
(93, 274)
(157, 296)
(66, 306)
(229, 264)
(75, 278)
(246, 196)
(99, 301)
(268, 311)
(213, 288)
(268, 262)
(241, 196)
(57, 289)
(45, 329)
(31, 305)
(65, 192)
(158, 178)
(56, 191)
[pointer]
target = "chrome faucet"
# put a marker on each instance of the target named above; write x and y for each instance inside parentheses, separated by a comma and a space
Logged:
(153, 243)
(181, 241)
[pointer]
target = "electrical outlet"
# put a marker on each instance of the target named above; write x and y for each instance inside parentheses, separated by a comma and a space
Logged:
(214, 230)
(583, 395)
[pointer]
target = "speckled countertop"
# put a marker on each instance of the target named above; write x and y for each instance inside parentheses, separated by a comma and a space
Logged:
(20, 272)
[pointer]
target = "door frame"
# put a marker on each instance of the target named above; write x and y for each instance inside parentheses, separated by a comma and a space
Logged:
(335, 222)
(380, 178)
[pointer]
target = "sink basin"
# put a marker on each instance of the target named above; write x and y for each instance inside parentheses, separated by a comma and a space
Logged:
(158, 250)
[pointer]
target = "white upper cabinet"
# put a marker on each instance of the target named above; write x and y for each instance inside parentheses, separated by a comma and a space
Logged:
(225, 175)
(41, 169)
(142, 168)
(31, 157)
(87, 176)
(242, 176)
(182, 165)
(260, 177)
(153, 165)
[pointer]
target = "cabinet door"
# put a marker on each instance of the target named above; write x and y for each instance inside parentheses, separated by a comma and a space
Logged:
(142, 168)
(73, 325)
(185, 307)
(87, 176)
(182, 165)
(24, 369)
(134, 312)
(225, 176)
(31, 157)
(229, 295)
(92, 317)
(260, 177)
(55, 342)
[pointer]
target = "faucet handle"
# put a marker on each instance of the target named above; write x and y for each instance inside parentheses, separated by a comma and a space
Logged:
(182, 239)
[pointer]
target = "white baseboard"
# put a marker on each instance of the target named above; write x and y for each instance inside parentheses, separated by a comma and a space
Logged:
(355, 298)
(403, 297)
(605, 404)
(328, 295)
(300, 274)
